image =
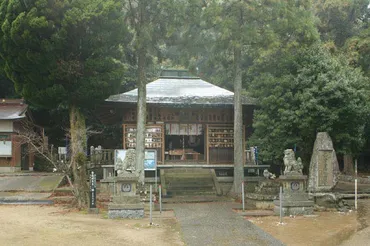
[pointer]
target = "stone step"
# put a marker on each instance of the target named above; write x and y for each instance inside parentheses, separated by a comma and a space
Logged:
(62, 199)
(185, 184)
(194, 199)
(63, 191)
(195, 181)
(190, 192)
(187, 170)
(188, 176)
(191, 183)
(255, 213)
(189, 186)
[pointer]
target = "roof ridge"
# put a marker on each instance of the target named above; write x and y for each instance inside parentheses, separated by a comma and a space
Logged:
(6, 101)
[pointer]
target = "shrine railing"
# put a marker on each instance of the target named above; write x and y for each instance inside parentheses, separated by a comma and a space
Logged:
(99, 157)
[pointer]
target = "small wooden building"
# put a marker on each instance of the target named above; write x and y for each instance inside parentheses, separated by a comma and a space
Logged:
(188, 119)
(14, 155)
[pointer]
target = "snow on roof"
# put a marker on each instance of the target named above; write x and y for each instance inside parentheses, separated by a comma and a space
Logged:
(181, 91)
(12, 109)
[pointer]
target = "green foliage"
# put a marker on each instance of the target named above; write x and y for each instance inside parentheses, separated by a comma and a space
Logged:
(6, 86)
(211, 31)
(309, 91)
(341, 19)
(358, 51)
(63, 52)
(42, 165)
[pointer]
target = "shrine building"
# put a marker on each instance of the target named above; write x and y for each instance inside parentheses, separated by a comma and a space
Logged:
(188, 119)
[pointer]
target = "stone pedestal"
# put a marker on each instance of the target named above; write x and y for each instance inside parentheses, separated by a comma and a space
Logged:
(264, 194)
(295, 199)
(107, 185)
(126, 204)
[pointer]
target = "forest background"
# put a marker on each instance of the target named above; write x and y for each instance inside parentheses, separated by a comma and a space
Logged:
(305, 62)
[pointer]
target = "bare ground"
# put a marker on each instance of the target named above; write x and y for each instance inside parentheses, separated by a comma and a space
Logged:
(55, 225)
(325, 228)
(362, 236)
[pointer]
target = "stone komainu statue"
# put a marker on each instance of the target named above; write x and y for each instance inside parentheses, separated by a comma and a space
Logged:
(128, 165)
(292, 166)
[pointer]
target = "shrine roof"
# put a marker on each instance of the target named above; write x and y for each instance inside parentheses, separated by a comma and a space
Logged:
(12, 109)
(182, 90)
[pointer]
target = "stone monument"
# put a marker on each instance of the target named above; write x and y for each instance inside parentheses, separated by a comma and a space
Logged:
(126, 203)
(324, 168)
(295, 200)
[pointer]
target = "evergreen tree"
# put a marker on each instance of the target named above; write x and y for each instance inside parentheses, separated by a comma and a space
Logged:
(309, 91)
(152, 22)
(243, 33)
(6, 86)
(64, 54)
(340, 20)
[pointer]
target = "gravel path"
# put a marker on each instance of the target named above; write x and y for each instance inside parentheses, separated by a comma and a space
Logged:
(217, 224)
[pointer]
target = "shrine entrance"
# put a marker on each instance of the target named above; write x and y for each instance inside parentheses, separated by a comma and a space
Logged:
(185, 135)
(185, 142)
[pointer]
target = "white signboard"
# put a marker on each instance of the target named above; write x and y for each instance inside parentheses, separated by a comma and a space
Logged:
(6, 148)
(62, 150)
(150, 160)
(184, 129)
(119, 156)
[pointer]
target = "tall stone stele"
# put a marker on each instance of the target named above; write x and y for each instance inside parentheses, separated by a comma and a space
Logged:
(324, 168)
(126, 203)
(295, 200)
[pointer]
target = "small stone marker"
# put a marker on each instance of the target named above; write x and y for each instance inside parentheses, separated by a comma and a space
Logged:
(92, 204)
(324, 168)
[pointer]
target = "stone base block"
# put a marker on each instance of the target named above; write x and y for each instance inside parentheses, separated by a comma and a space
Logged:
(114, 206)
(264, 205)
(107, 186)
(125, 213)
(304, 207)
(126, 199)
(260, 201)
(9, 169)
(293, 210)
(296, 203)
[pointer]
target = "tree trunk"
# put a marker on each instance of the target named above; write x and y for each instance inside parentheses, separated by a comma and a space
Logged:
(348, 165)
(78, 157)
(238, 124)
(141, 100)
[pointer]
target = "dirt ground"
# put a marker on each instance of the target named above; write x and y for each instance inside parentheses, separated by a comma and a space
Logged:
(55, 225)
(362, 236)
(324, 228)
(328, 228)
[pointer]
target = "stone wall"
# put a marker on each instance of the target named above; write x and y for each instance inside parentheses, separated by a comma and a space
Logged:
(349, 178)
